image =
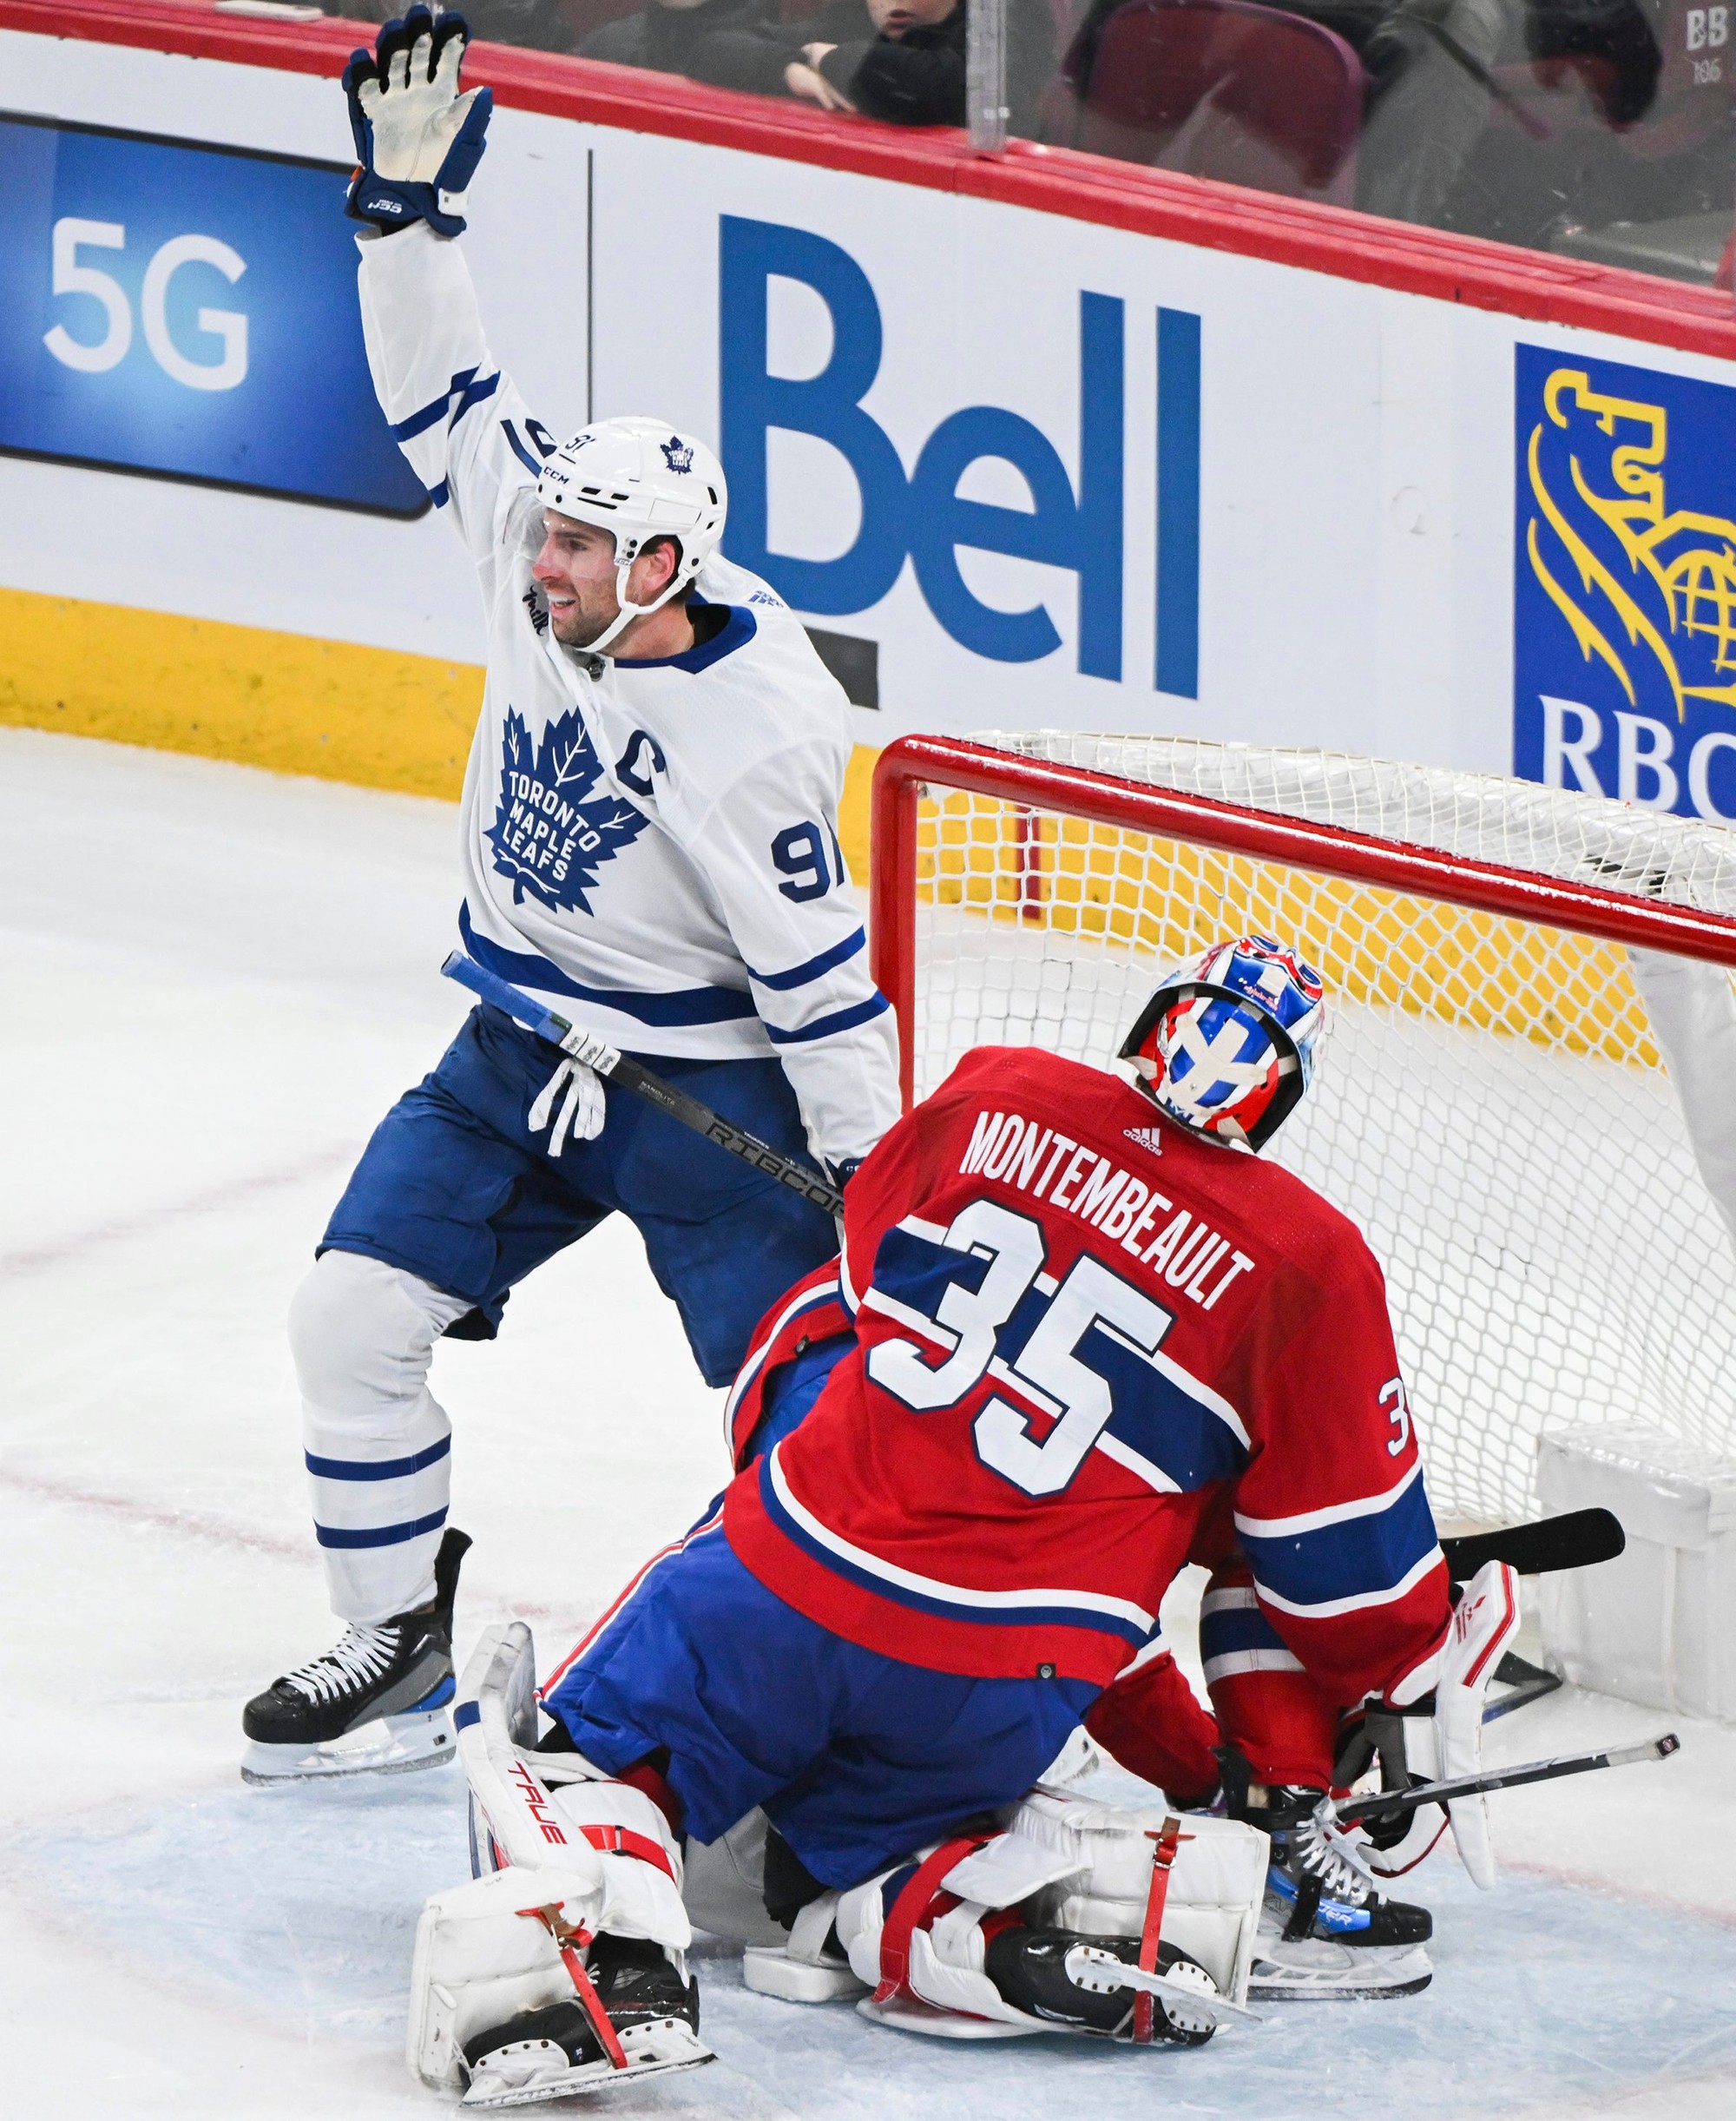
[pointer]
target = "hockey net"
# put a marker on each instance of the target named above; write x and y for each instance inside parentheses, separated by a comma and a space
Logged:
(1491, 1106)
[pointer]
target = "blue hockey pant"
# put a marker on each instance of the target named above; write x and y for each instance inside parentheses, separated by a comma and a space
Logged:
(454, 1201)
(856, 1759)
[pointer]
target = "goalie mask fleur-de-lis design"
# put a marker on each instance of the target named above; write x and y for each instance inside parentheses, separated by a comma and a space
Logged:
(549, 836)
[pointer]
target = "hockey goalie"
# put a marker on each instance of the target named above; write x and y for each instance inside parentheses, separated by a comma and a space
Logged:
(1080, 1334)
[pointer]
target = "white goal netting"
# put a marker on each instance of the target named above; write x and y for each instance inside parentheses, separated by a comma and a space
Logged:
(1491, 1105)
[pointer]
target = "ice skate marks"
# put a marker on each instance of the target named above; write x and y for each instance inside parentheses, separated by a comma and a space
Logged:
(547, 839)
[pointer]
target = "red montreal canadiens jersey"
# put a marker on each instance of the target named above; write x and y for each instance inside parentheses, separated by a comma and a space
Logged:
(1085, 1339)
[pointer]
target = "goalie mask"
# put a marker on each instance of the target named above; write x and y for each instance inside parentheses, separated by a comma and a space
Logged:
(1226, 1044)
(640, 479)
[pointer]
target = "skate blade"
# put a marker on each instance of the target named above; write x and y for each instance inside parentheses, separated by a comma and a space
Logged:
(911, 2014)
(1191, 2009)
(389, 1745)
(518, 2076)
(1312, 1970)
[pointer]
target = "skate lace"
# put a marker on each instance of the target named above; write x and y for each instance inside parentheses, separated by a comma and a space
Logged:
(1325, 1851)
(361, 1655)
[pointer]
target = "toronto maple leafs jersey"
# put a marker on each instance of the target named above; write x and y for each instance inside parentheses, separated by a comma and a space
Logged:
(1090, 1346)
(650, 847)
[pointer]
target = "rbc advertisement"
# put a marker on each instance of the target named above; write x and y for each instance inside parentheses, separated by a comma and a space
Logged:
(190, 313)
(1624, 653)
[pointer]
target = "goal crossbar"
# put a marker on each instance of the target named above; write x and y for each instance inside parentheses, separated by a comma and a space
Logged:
(910, 764)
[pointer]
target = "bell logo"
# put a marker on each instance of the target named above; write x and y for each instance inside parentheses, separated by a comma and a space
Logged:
(920, 515)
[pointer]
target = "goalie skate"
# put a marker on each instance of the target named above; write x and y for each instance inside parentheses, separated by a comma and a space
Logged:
(1316, 1970)
(555, 2053)
(1352, 1951)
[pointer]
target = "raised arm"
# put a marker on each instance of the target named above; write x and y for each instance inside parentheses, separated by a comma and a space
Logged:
(455, 415)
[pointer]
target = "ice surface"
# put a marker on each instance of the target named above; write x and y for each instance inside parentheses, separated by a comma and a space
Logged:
(215, 982)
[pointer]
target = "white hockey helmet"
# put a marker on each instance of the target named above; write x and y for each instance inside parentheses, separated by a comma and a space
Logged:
(641, 479)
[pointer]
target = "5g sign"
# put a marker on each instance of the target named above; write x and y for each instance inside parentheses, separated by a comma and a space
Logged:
(187, 312)
(229, 326)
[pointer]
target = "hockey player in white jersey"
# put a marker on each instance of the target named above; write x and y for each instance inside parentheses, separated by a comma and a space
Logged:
(649, 846)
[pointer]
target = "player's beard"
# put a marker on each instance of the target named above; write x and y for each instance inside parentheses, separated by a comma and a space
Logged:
(583, 623)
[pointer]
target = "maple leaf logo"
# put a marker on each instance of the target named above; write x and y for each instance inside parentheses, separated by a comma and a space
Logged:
(677, 454)
(546, 837)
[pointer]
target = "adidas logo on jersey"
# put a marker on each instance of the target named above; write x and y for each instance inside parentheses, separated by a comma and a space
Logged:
(1148, 1137)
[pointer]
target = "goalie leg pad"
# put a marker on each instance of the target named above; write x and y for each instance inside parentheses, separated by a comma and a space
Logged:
(948, 1956)
(585, 1911)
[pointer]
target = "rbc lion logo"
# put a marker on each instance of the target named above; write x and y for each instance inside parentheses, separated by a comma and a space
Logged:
(1625, 588)
(677, 454)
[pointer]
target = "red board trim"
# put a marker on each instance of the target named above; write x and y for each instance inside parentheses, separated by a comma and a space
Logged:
(1211, 216)
(909, 764)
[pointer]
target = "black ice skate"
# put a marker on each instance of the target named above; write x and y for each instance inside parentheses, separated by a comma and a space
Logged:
(1089, 1983)
(651, 2015)
(376, 1704)
(1325, 1934)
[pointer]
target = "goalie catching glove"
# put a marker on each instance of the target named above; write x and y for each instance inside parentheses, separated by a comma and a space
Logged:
(1439, 1737)
(417, 139)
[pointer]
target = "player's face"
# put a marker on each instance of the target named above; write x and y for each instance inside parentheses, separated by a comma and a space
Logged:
(575, 570)
(892, 17)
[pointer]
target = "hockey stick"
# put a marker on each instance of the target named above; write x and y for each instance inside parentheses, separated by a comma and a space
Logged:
(607, 1060)
(1348, 1811)
(1530, 1682)
(1577, 1540)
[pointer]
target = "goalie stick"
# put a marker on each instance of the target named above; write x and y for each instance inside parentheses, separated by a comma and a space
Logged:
(1350, 1811)
(1577, 1540)
(607, 1060)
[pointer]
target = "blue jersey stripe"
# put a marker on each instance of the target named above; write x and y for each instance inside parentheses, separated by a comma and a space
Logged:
(685, 1005)
(434, 410)
(1153, 1416)
(379, 1535)
(377, 1469)
(473, 394)
(815, 968)
(1033, 1615)
(519, 451)
(1242, 1628)
(1358, 1558)
(1160, 1419)
(839, 1020)
(441, 494)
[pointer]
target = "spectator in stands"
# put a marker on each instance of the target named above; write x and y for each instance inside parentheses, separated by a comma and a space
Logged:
(538, 26)
(665, 36)
(902, 61)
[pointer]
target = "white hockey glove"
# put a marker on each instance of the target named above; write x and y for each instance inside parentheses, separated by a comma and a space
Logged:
(417, 139)
(582, 1110)
(1443, 1746)
(1484, 1620)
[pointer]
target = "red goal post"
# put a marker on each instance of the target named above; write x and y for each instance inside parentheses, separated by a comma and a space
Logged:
(1492, 1105)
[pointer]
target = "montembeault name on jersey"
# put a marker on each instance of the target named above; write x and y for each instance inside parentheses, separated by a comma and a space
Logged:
(1186, 1251)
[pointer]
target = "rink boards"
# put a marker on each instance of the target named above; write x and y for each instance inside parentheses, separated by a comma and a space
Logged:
(1033, 444)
